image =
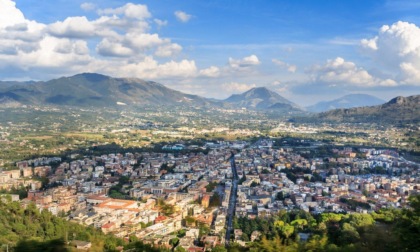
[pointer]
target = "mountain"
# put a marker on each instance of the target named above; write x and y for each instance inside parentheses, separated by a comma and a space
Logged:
(398, 110)
(97, 90)
(347, 101)
(261, 98)
(91, 89)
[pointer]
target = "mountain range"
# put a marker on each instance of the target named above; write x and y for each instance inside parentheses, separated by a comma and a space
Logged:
(96, 90)
(397, 110)
(347, 101)
(261, 98)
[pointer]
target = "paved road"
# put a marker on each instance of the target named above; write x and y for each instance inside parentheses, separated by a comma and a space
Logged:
(232, 200)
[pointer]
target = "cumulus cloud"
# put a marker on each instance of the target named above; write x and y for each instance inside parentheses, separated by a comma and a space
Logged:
(283, 65)
(87, 6)
(118, 43)
(160, 23)
(245, 62)
(73, 27)
(9, 14)
(168, 50)
(112, 49)
(235, 87)
(130, 10)
(149, 68)
(397, 47)
(344, 73)
(279, 87)
(182, 16)
(212, 71)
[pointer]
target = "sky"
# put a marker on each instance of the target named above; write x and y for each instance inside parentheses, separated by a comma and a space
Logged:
(305, 50)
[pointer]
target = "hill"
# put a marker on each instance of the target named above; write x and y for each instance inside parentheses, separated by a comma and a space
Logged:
(347, 101)
(90, 89)
(261, 98)
(398, 110)
(28, 229)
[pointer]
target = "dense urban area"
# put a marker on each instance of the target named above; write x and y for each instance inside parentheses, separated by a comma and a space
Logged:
(207, 183)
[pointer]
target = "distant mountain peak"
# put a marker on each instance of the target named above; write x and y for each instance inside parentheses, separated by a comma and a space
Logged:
(397, 110)
(347, 101)
(94, 77)
(259, 98)
(262, 92)
(398, 100)
(98, 90)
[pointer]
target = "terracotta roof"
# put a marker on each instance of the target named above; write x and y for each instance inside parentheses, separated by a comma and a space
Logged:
(108, 225)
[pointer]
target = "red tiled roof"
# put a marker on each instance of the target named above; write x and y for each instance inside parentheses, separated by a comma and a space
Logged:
(108, 225)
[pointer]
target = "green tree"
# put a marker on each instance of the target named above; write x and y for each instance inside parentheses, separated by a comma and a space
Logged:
(219, 248)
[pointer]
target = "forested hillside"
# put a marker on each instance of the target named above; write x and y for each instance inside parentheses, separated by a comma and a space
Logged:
(387, 230)
(30, 230)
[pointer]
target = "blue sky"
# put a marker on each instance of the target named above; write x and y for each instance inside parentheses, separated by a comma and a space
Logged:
(305, 50)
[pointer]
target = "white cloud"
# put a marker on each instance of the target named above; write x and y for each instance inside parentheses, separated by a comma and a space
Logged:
(73, 27)
(149, 68)
(9, 14)
(182, 16)
(113, 49)
(130, 10)
(345, 73)
(168, 50)
(66, 46)
(212, 71)
(160, 23)
(246, 62)
(123, 47)
(235, 87)
(143, 41)
(279, 87)
(88, 6)
(397, 47)
(289, 67)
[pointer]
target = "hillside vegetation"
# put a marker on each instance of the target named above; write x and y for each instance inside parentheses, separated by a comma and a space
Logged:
(30, 230)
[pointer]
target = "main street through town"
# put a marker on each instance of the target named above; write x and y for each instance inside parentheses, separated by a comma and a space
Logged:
(232, 200)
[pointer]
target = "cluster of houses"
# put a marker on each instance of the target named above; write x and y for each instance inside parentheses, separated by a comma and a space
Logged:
(146, 188)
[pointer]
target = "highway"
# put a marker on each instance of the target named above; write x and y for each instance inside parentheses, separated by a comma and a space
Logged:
(232, 201)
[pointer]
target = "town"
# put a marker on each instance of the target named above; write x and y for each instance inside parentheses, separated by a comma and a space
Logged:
(190, 197)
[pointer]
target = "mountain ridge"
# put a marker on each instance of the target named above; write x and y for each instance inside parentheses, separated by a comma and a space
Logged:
(347, 101)
(397, 110)
(260, 98)
(92, 89)
(98, 90)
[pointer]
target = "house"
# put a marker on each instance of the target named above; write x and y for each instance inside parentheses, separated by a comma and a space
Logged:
(210, 241)
(82, 245)
(238, 234)
(255, 235)
(304, 237)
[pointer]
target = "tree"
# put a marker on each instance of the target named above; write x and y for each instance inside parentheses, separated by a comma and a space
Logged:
(180, 249)
(348, 235)
(219, 248)
(254, 184)
(299, 223)
(265, 171)
(408, 226)
(181, 233)
(287, 230)
(210, 187)
(174, 242)
(215, 200)
(280, 196)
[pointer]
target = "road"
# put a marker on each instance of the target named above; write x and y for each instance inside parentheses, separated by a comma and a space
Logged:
(232, 200)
